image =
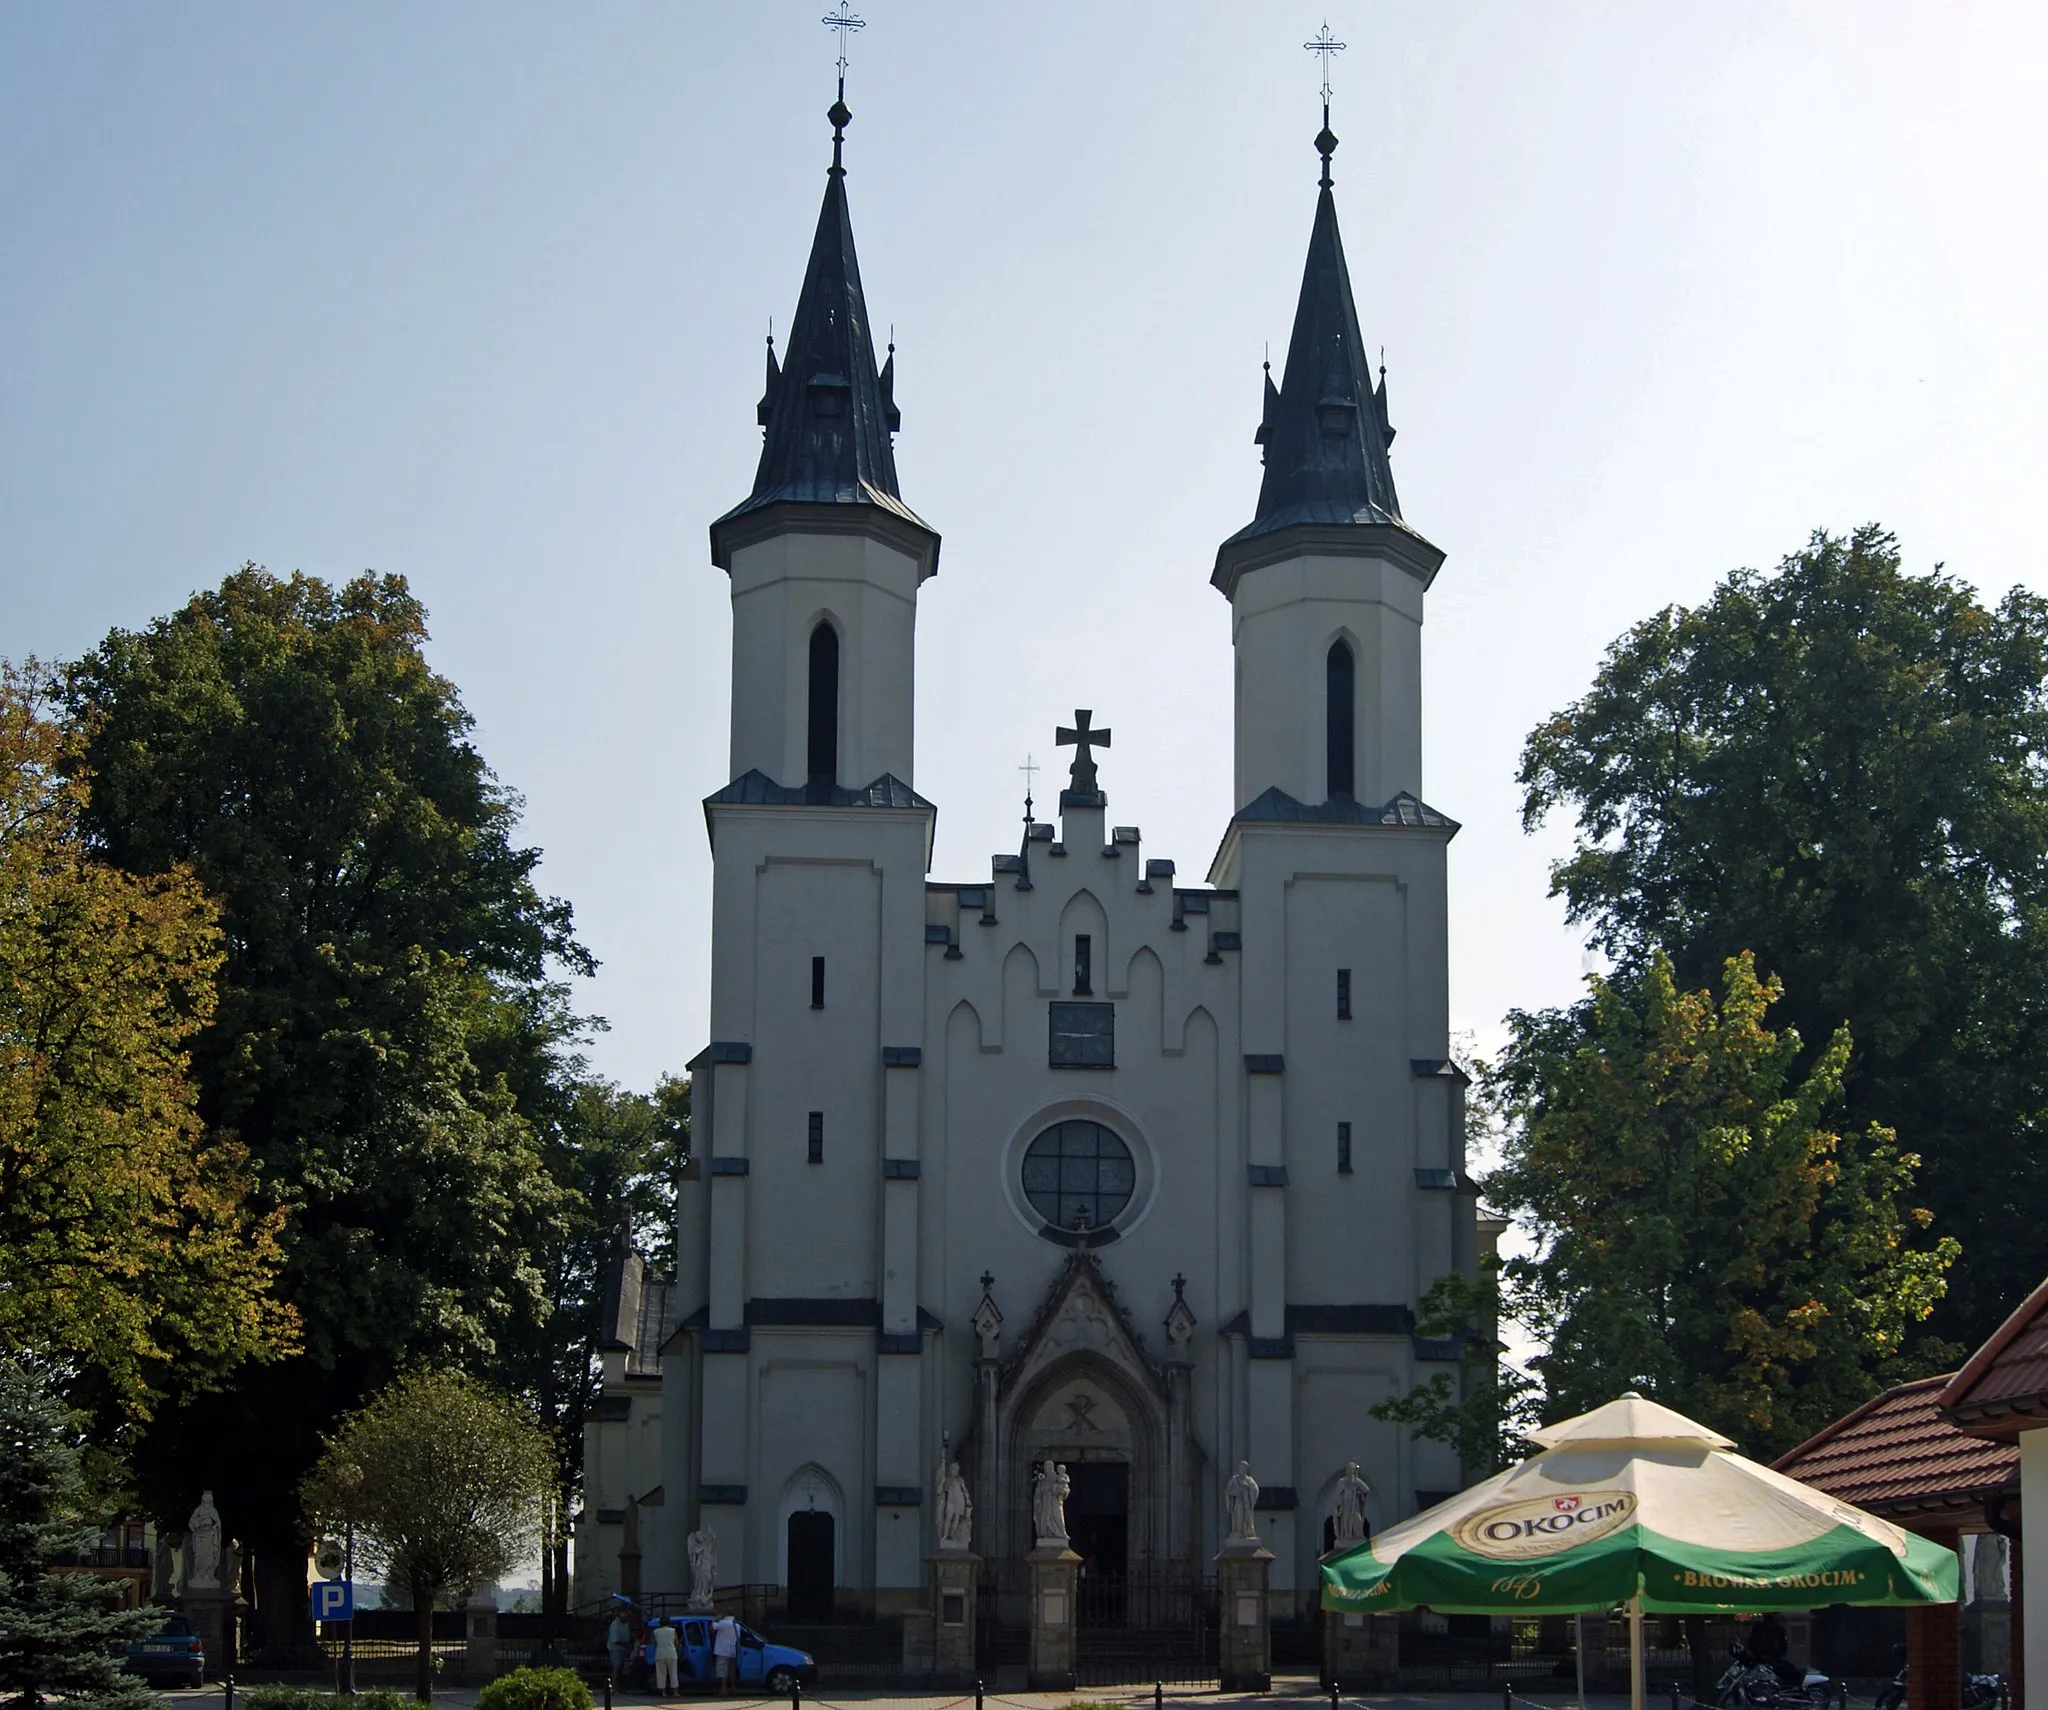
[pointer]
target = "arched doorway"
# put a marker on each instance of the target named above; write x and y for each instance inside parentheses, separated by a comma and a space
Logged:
(812, 1544)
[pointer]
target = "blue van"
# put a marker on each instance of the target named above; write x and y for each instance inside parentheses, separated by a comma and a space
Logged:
(774, 1669)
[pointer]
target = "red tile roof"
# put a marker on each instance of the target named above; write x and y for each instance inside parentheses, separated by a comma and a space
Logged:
(2003, 1390)
(1896, 1455)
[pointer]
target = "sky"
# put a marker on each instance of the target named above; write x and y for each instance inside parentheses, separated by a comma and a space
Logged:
(475, 293)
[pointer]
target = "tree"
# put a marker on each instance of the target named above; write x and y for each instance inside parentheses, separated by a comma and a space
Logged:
(1485, 1410)
(1699, 1233)
(617, 1155)
(130, 1254)
(388, 997)
(57, 1633)
(443, 1481)
(1843, 769)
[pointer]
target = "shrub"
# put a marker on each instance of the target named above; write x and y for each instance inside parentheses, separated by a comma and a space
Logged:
(312, 1698)
(536, 1689)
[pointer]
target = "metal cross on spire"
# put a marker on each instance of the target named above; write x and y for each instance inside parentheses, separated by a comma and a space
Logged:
(1323, 47)
(1325, 44)
(845, 21)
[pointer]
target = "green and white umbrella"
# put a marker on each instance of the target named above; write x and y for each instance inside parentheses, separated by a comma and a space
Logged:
(1635, 1505)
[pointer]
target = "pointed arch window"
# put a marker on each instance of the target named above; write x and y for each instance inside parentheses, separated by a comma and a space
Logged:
(823, 736)
(1340, 702)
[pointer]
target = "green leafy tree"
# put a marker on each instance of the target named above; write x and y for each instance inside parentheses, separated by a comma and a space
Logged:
(129, 1251)
(59, 1637)
(443, 1481)
(1699, 1232)
(1484, 1409)
(1843, 768)
(389, 998)
(617, 1155)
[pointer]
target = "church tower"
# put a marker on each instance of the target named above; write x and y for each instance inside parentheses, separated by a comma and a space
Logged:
(1326, 582)
(796, 1220)
(1353, 1111)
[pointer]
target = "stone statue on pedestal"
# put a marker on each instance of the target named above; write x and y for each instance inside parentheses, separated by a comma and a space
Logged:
(202, 1546)
(1348, 1510)
(955, 1509)
(703, 1551)
(1240, 1499)
(1049, 1504)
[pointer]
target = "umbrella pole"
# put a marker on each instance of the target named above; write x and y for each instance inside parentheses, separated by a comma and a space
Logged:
(1579, 1651)
(1636, 1683)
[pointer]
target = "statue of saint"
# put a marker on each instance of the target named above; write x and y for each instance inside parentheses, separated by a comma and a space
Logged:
(1240, 1498)
(703, 1550)
(1049, 1504)
(955, 1509)
(202, 1546)
(1348, 1508)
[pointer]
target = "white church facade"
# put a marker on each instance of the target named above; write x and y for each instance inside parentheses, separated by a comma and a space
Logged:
(1082, 1158)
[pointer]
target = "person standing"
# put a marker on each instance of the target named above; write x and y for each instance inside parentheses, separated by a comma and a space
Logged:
(725, 1652)
(664, 1659)
(618, 1641)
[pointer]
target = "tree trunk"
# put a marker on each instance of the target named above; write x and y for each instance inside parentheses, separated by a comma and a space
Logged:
(423, 1600)
(558, 1555)
(1703, 1665)
(284, 1617)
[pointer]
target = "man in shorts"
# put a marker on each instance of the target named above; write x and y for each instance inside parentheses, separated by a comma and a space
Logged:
(725, 1652)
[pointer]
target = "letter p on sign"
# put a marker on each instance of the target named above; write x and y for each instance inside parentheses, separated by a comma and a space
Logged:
(333, 1600)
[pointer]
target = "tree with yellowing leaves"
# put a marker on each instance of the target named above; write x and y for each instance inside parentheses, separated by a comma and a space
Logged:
(131, 1253)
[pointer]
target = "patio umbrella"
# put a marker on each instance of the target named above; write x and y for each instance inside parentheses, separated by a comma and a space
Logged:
(1637, 1505)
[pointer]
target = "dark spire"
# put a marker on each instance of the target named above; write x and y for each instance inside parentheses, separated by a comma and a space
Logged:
(1324, 431)
(827, 414)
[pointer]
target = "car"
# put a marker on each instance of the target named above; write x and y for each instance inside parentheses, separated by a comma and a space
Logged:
(776, 1669)
(172, 1653)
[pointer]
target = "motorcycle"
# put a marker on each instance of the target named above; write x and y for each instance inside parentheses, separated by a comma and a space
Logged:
(1751, 1684)
(1979, 1690)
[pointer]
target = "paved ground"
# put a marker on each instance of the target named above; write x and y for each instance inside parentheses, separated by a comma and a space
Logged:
(1298, 1691)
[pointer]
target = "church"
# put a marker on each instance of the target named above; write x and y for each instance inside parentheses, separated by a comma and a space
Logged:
(1084, 1159)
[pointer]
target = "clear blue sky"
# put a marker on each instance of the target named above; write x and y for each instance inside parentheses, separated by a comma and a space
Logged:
(475, 293)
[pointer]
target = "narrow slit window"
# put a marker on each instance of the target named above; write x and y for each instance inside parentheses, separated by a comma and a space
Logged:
(1340, 709)
(817, 982)
(1084, 965)
(1343, 994)
(1343, 1148)
(815, 1145)
(824, 709)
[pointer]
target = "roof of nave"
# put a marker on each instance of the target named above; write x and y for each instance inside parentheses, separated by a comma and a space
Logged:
(636, 1316)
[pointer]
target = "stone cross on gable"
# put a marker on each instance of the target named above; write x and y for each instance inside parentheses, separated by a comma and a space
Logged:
(1080, 737)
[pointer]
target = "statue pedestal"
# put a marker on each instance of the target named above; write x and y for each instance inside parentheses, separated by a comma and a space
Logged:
(1054, 1572)
(480, 1635)
(956, 1581)
(1245, 1648)
(1360, 1652)
(212, 1611)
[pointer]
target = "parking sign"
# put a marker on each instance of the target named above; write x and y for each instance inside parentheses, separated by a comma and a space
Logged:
(334, 1600)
